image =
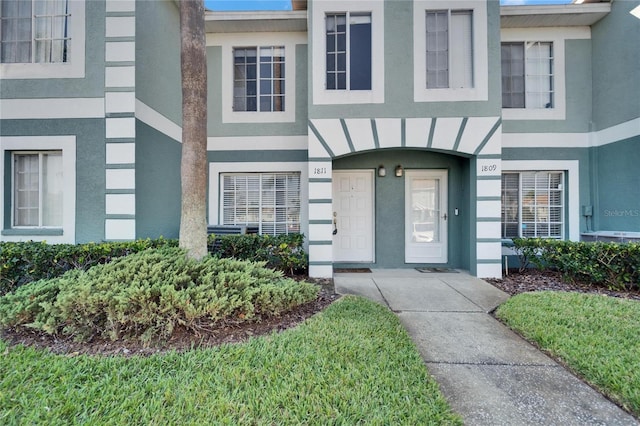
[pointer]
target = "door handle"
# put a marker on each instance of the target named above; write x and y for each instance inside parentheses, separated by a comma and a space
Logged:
(335, 223)
(444, 216)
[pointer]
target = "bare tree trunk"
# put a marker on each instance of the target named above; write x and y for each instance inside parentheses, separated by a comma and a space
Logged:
(193, 226)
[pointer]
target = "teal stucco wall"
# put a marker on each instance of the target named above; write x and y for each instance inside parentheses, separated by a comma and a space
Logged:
(390, 201)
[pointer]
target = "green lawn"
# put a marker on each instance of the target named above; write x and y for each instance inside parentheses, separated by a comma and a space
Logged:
(353, 363)
(598, 337)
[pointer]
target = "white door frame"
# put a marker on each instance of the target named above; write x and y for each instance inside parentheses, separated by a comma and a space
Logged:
(370, 174)
(427, 252)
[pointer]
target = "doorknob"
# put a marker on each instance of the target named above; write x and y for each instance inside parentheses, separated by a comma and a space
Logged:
(335, 223)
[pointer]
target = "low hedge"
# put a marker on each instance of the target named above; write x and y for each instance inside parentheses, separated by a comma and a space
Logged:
(149, 294)
(24, 262)
(283, 252)
(614, 265)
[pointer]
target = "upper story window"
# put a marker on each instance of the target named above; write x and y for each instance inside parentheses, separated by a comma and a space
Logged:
(527, 75)
(348, 48)
(449, 49)
(258, 79)
(34, 31)
(37, 189)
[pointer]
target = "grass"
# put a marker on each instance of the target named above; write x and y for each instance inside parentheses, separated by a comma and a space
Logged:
(595, 336)
(352, 363)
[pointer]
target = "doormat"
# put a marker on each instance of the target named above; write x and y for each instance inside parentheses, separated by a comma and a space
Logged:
(437, 270)
(352, 271)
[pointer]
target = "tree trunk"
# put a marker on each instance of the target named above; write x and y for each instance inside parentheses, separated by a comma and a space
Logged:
(193, 221)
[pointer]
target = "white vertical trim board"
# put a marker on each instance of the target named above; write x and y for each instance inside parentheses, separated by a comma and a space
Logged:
(572, 167)
(42, 143)
(120, 51)
(120, 229)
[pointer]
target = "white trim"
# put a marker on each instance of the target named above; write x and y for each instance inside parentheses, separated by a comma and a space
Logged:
(480, 91)
(16, 109)
(75, 68)
(488, 188)
(119, 229)
(121, 5)
(489, 270)
(120, 204)
(321, 96)
(228, 42)
(67, 144)
(489, 251)
(120, 26)
(120, 51)
(120, 127)
(487, 230)
(157, 121)
(557, 36)
(321, 271)
(120, 76)
(115, 102)
(619, 132)
(120, 153)
(545, 140)
(251, 143)
(572, 178)
(120, 179)
(215, 169)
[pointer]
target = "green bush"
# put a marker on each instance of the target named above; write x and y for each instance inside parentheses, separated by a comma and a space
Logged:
(282, 252)
(24, 262)
(614, 265)
(149, 294)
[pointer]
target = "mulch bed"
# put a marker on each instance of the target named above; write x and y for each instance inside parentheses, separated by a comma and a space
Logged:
(181, 340)
(537, 280)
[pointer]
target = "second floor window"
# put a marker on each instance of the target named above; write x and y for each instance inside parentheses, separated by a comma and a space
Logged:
(348, 41)
(34, 31)
(527, 75)
(449, 49)
(258, 78)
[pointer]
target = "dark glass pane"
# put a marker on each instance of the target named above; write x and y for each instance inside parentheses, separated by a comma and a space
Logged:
(265, 87)
(252, 104)
(265, 103)
(360, 54)
(265, 70)
(342, 81)
(251, 72)
(251, 88)
(331, 81)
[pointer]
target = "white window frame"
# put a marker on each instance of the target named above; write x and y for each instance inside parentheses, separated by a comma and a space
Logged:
(480, 77)
(260, 78)
(322, 95)
(528, 71)
(41, 182)
(562, 189)
(74, 68)
(215, 194)
(557, 36)
(571, 170)
(228, 42)
(261, 207)
(66, 144)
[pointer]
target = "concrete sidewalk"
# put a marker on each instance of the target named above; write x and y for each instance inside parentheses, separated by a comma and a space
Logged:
(489, 374)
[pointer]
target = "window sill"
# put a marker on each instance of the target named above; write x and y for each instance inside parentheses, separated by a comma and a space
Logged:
(33, 231)
(533, 113)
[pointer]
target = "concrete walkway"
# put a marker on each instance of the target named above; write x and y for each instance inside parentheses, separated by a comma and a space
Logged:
(489, 375)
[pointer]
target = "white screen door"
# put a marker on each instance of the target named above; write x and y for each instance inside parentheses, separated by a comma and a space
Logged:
(426, 216)
(353, 216)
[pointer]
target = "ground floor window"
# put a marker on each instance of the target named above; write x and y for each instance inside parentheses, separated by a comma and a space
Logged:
(533, 204)
(37, 189)
(270, 201)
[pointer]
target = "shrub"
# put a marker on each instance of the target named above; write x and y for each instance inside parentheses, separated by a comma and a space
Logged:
(614, 265)
(149, 294)
(282, 252)
(24, 262)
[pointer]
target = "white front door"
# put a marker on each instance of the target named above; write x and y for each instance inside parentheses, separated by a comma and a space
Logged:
(426, 216)
(353, 216)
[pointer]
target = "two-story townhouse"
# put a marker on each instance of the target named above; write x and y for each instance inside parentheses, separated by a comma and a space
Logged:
(391, 133)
